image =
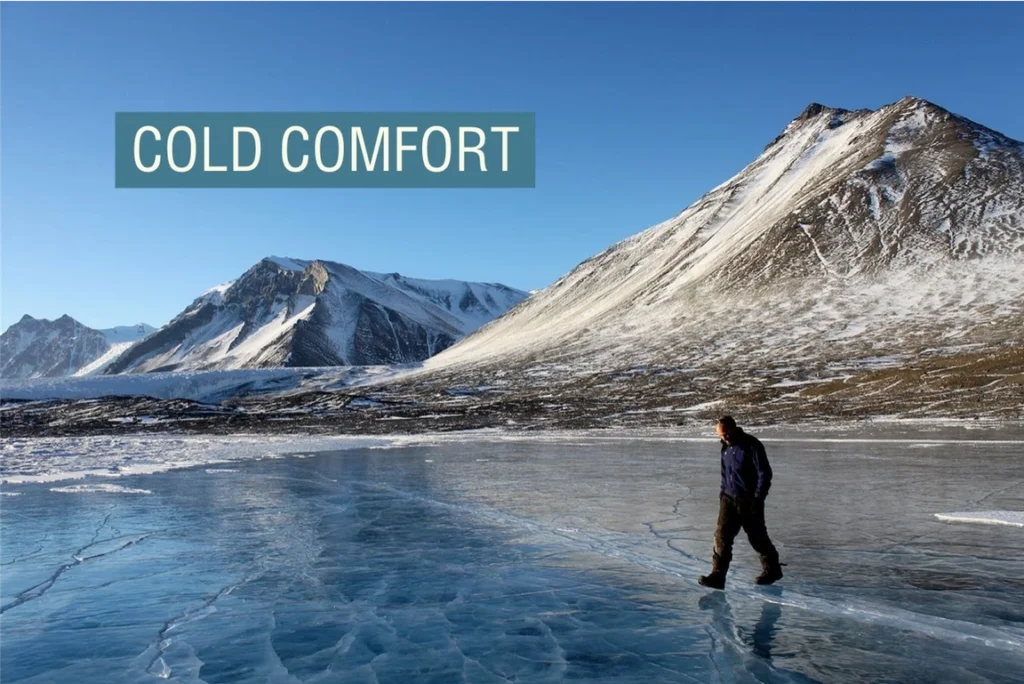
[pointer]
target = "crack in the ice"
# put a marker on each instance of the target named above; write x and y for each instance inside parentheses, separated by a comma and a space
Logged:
(1014, 485)
(647, 658)
(162, 642)
(102, 524)
(25, 556)
(40, 589)
(711, 652)
(454, 640)
(679, 501)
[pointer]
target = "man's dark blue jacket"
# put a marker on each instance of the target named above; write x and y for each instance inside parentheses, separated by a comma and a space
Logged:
(746, 473)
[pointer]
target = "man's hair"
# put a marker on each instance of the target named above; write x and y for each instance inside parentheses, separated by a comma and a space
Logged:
(728, 423)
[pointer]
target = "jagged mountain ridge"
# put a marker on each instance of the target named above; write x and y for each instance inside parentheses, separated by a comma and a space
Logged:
(856, 236)
(40, 348)
(289, 312)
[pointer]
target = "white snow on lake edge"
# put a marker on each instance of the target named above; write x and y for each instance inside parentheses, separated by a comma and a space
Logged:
(54, 459)
(104, 488)
(1012, 518)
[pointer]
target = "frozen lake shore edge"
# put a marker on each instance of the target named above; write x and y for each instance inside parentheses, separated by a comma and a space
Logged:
(45, 458)
(329, 413)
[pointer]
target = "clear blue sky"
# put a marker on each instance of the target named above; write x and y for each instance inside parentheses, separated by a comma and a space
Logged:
(640, 109)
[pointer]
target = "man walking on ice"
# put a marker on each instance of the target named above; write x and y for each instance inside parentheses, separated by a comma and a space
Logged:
(746, 479)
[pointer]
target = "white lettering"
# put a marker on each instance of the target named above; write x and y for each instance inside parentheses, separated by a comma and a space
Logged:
(207, 166)
(192, 148)
(341, 149)
(403, 148)
(284, 149)
(255, 138)
(504, 130)
(138, 152)
(478, 148)
(447, 148)
(358, 141)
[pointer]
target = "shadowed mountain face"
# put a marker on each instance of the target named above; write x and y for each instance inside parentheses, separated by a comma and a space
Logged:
(39, 348)
(285, 312)
(857, 241)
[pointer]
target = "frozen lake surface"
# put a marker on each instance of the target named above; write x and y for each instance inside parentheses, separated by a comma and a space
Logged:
(532, 561)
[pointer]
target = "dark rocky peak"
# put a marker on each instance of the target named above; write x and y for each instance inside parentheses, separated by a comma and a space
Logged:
(814, 110)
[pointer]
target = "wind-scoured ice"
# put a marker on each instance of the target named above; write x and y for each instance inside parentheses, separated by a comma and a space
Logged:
(500, 560)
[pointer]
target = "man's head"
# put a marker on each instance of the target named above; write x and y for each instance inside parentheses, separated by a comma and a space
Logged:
(726, 429)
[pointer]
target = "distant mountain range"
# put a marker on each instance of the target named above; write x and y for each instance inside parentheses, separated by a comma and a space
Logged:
(40, 348)
(865, 264)
(281, 312)
(287, 312)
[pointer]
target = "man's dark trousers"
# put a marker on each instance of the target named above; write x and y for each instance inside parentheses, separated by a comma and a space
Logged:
(748, 515)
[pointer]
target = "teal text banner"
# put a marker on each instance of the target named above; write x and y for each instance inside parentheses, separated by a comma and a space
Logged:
(324, 150)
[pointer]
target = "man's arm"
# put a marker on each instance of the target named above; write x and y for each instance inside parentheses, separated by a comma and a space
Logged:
(764, 470)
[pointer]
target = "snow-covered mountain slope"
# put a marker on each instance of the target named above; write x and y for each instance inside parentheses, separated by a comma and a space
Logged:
(39, 348)
(288, 312)
(121, 340)
(854, 236)
(127, 334)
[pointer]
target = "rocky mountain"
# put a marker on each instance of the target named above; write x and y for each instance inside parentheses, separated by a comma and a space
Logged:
(867, 264)
(39, 348)
(859, 243)
(121, 339)
(287, 312)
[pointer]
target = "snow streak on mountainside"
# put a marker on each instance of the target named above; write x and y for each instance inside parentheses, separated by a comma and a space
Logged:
(38, 348)
(287, 312)
(127, 334)
(855, 236)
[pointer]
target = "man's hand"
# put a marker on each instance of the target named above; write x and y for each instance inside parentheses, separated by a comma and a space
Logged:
(749, 504)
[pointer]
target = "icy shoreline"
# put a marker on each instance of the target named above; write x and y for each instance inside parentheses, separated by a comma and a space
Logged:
(55, 459)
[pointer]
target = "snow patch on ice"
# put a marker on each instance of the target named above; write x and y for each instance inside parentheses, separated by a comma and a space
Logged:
(1013, 518)
(106, 488)
(53, 459)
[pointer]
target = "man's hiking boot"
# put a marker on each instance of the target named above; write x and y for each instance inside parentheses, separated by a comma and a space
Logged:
(714, 580)
(771, 575)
